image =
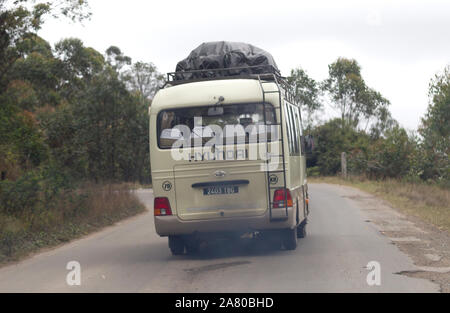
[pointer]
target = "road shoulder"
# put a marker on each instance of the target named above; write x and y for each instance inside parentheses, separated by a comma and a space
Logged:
(425, 244)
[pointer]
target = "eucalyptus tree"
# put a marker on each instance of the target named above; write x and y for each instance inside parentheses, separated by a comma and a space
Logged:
(307, 93)
(145, 80)
(435, 129)
(350, 95)
(20, 18)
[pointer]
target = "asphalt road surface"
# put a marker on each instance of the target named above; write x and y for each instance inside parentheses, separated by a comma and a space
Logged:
(130, 257)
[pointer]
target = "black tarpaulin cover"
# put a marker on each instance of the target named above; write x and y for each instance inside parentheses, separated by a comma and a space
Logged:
(224, 55)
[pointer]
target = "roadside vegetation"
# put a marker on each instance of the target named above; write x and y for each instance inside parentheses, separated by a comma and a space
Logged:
(377, 147)
(73, 130)
(36, 221)
(410, 169)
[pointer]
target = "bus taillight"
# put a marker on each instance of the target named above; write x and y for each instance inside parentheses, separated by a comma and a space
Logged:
(162, 207)
(279, 198)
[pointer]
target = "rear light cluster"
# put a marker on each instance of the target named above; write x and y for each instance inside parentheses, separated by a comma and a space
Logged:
(279, 198)
(162, 207)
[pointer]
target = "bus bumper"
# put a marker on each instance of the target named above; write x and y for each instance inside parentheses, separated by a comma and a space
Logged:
(172, 225)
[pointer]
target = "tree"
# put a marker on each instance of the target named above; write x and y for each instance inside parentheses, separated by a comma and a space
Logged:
(435, 129)
(100, 132)
(20, 18)
(110, 129)
(21, 143)
(390, 156)
(330, 143)
(145, 80)
(39, 69)
(116, 58)
(437, 117)
(350, 95)
(79, 64)
(383, 123)
(27, 79)
(306, 92)
(75, 10)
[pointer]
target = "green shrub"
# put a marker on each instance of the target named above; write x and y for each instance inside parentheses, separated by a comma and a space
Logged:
(11, 232)
(20, 196)
(313, 171)
(390, 156)
(331, 140)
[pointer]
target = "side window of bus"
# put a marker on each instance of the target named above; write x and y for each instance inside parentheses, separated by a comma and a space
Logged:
(292, 130)
(295, 122)
(302, 135)
(298, 123)
(289, 128)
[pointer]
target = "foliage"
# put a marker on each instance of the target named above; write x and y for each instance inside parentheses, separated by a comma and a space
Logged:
(69, 115)
(78, 65)
(435, 130)
(331, 140)
(385, 150)
(145, 80)
(350, 95)
(390, 156)
(21, 19)
(73, 107)
(111, 126)
(307, 92)
(38, 214)
(21, 145)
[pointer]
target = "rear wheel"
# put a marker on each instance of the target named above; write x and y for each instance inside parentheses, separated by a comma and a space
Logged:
(290, 239)
(176, 245)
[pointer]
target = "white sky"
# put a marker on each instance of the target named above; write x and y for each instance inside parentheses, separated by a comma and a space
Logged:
(400, 45)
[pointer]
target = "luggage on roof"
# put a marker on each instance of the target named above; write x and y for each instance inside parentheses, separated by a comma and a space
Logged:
(235, 58)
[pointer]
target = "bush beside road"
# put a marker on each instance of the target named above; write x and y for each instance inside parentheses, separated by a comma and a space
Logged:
(70, 214)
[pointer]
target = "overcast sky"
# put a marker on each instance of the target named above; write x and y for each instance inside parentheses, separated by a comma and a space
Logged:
(400, 45)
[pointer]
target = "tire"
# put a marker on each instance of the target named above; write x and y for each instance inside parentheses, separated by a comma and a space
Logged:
(301, 229)
(290, 239)
(176, 245)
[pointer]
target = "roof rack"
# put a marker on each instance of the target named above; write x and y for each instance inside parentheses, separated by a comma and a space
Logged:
(215, 73)
(259, 72)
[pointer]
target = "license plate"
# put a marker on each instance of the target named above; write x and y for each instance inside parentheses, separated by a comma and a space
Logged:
(220, 190)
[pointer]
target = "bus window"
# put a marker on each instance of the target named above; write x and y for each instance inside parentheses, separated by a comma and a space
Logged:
(294, 116)
(292, 130)
(298, 124)
(288, 128)
(249, 116)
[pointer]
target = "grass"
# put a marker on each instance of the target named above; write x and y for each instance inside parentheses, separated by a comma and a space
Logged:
(72, 215)
(430, 203)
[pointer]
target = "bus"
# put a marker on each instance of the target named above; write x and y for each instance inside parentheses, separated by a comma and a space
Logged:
(228, 156)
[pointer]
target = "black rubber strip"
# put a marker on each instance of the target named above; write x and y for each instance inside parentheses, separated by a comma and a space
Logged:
(221, 183)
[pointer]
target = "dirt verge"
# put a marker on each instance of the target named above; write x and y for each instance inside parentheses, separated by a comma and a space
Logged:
(427, 245)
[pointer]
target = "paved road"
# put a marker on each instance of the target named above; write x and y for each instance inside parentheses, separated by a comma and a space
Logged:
(130, 257)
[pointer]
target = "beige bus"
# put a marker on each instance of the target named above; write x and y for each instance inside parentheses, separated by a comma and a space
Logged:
(227, 157)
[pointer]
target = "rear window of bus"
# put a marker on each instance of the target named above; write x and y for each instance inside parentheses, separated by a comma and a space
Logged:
(198, 119)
